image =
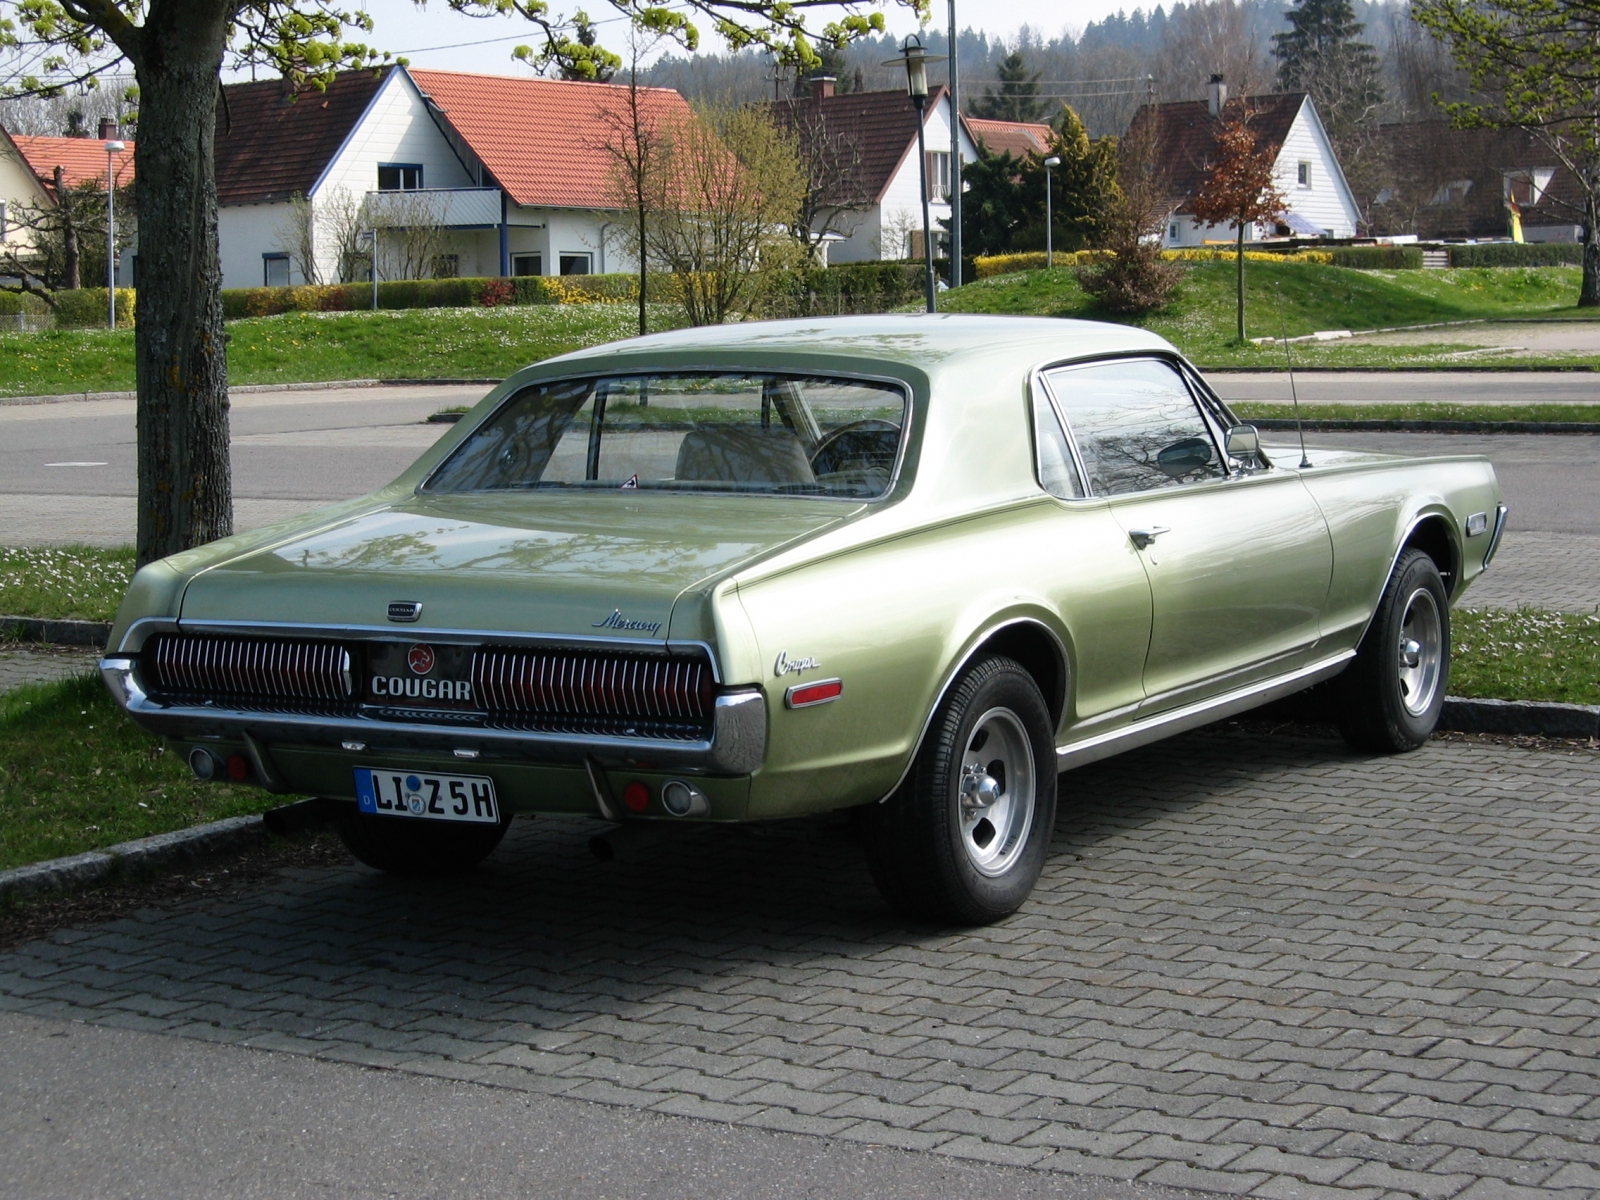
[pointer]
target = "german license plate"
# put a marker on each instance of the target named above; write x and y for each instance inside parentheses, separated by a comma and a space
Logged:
(397, 793)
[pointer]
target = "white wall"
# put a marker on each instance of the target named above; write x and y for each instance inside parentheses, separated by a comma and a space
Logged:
(1327, 202)
(246, 232)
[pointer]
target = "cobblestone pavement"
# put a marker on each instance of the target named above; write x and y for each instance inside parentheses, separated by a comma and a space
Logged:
(1254, 965)
(1541, 570)
(21, 666)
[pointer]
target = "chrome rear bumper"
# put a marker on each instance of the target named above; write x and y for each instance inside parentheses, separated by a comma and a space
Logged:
(736, 746)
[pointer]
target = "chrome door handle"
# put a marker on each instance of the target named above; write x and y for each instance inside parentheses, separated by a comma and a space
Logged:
(1144, 537)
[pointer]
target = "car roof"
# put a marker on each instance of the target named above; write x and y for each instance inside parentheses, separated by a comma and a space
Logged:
(924, 341)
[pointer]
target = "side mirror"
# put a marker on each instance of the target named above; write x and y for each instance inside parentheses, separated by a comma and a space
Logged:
(1183, 457)
(1243, 442)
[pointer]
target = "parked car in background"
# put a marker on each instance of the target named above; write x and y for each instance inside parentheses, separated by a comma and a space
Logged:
(912, 564)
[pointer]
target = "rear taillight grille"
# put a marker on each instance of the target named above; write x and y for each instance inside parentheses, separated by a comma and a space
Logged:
(566, 689)
(235, 668)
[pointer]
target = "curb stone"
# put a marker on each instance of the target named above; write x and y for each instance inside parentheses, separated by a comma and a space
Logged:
(1400, 425)
(182, 846)
(248, 388)
(56, 633)
(1538, 718)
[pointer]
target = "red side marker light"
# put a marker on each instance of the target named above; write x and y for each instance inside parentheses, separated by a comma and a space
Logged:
(804, 695)
(238, 768)
(636, 797)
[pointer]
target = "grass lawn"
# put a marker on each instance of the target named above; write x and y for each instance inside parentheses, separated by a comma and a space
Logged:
(1525, 655)
(1301, 298)
(460, 343)
(1423, 412)
(76, 775)
(60, 582)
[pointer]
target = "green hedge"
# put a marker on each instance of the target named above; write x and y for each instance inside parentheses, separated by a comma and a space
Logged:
(84, 308)
(1378, 258)
(428, 293)
(1517, 254)
(847, 288)
(12, 303)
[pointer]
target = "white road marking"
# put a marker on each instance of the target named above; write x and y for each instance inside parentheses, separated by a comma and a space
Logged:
(75, 464)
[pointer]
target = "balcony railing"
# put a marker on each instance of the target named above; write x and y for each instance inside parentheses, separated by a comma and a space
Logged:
(452, 208)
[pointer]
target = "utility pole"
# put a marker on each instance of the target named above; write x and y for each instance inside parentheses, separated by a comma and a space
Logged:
(955, 156)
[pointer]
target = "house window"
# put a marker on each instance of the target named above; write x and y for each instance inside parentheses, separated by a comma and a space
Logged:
(938, 175)
(275, 270)
(399, 177)
(576, 264)
(1305, 174)
(1172, 231)
(1453, 192)
(1525, 188)
(527, 264)
(2, 220)
(446, 266)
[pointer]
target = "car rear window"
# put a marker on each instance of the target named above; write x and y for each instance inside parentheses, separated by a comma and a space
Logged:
(803, 435)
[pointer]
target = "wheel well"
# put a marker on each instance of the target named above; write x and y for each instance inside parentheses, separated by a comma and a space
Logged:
(1432, 536)
(1039, 655)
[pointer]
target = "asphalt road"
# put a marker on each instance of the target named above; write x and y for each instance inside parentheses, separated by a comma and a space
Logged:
(111, 1112)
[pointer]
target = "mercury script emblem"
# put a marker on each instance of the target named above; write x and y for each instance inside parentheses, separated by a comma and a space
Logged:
(784, 665)
(617, 621)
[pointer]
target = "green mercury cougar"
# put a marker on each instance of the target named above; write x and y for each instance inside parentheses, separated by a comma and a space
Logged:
(915, 565)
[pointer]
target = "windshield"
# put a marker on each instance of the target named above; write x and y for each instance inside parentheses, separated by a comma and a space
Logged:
(779, 434)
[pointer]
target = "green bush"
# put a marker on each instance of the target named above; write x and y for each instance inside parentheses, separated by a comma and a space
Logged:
(1517, 254)
(86, 307)
(864, 287)
(428, 293)
(12, 303)
(1378, 258)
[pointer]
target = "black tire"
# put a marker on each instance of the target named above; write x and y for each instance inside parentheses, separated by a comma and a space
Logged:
(416, 848)
(1384, 702)
(923, 843)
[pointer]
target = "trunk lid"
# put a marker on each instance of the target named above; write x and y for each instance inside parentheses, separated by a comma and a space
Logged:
(587, 564)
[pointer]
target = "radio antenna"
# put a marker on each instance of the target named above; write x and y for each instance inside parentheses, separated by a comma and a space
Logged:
(1294, 396)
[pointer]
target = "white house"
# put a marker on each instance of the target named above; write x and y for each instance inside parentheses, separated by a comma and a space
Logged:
(1306, 169)
(877, 202)
(516, 170)
(27, 179)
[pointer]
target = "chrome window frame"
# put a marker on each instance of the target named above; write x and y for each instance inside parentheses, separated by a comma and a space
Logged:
(905, 389)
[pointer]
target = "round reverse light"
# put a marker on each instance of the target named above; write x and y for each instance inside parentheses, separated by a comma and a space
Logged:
(238, 768)
(636, 797)
(676, 797)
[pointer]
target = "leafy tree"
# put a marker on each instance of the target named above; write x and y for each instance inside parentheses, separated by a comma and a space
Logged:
(591, 67)
(1534, 65)
(1082, 189)
(1321, 54)
(1017, 98)
(1131, 277)
(1239, 190)
(177, 49)
(63, 242)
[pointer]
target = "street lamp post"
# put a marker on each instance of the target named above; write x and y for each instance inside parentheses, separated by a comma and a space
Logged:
(112, 150)
(1049, 216)
(955, 155)
(373, 235)
(915, 60)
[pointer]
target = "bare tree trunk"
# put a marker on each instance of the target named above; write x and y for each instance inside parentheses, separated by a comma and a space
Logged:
(72, 266)
(1589, 293)
(185, 487)
(1239, 262)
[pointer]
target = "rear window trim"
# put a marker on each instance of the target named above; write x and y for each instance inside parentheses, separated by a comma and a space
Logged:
(907, 392)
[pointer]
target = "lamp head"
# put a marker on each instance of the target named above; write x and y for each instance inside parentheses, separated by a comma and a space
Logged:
(116, 147)
(1053, 161)
(915, 59)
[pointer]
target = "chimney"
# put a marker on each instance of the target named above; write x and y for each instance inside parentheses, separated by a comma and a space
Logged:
(1216, 95)
(822, 86)
(108, 129)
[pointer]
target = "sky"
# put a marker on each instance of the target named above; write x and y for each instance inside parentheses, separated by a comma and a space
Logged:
(434, 36)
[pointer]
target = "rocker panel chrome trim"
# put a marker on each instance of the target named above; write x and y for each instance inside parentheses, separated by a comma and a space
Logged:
(1192, 716)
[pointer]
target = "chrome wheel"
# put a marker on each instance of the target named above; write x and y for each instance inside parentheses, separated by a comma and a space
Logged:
(997, 789)
(1421, 651)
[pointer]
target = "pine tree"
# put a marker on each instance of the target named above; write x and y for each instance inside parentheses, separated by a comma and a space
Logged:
(1017, 98)
(1083, 189)
(1321, 54)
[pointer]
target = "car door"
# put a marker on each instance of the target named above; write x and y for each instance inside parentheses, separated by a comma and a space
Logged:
(1238, 560)
(1092, 575)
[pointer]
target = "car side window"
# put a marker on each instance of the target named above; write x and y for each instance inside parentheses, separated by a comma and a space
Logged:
(1136, 426)
(1058, 474)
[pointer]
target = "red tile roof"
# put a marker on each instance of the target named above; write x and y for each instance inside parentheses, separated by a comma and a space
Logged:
(81, 159)
(1016, 138)
(543, 140)
(884, 125)
(273, 142)
(1185, 141)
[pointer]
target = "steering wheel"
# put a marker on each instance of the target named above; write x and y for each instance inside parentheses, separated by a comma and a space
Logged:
(859, 446)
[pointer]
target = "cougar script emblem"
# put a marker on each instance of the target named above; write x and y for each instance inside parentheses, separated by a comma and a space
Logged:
(793, 666)
(617, 621)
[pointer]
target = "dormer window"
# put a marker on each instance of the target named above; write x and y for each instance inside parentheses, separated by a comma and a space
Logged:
(399, 177)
